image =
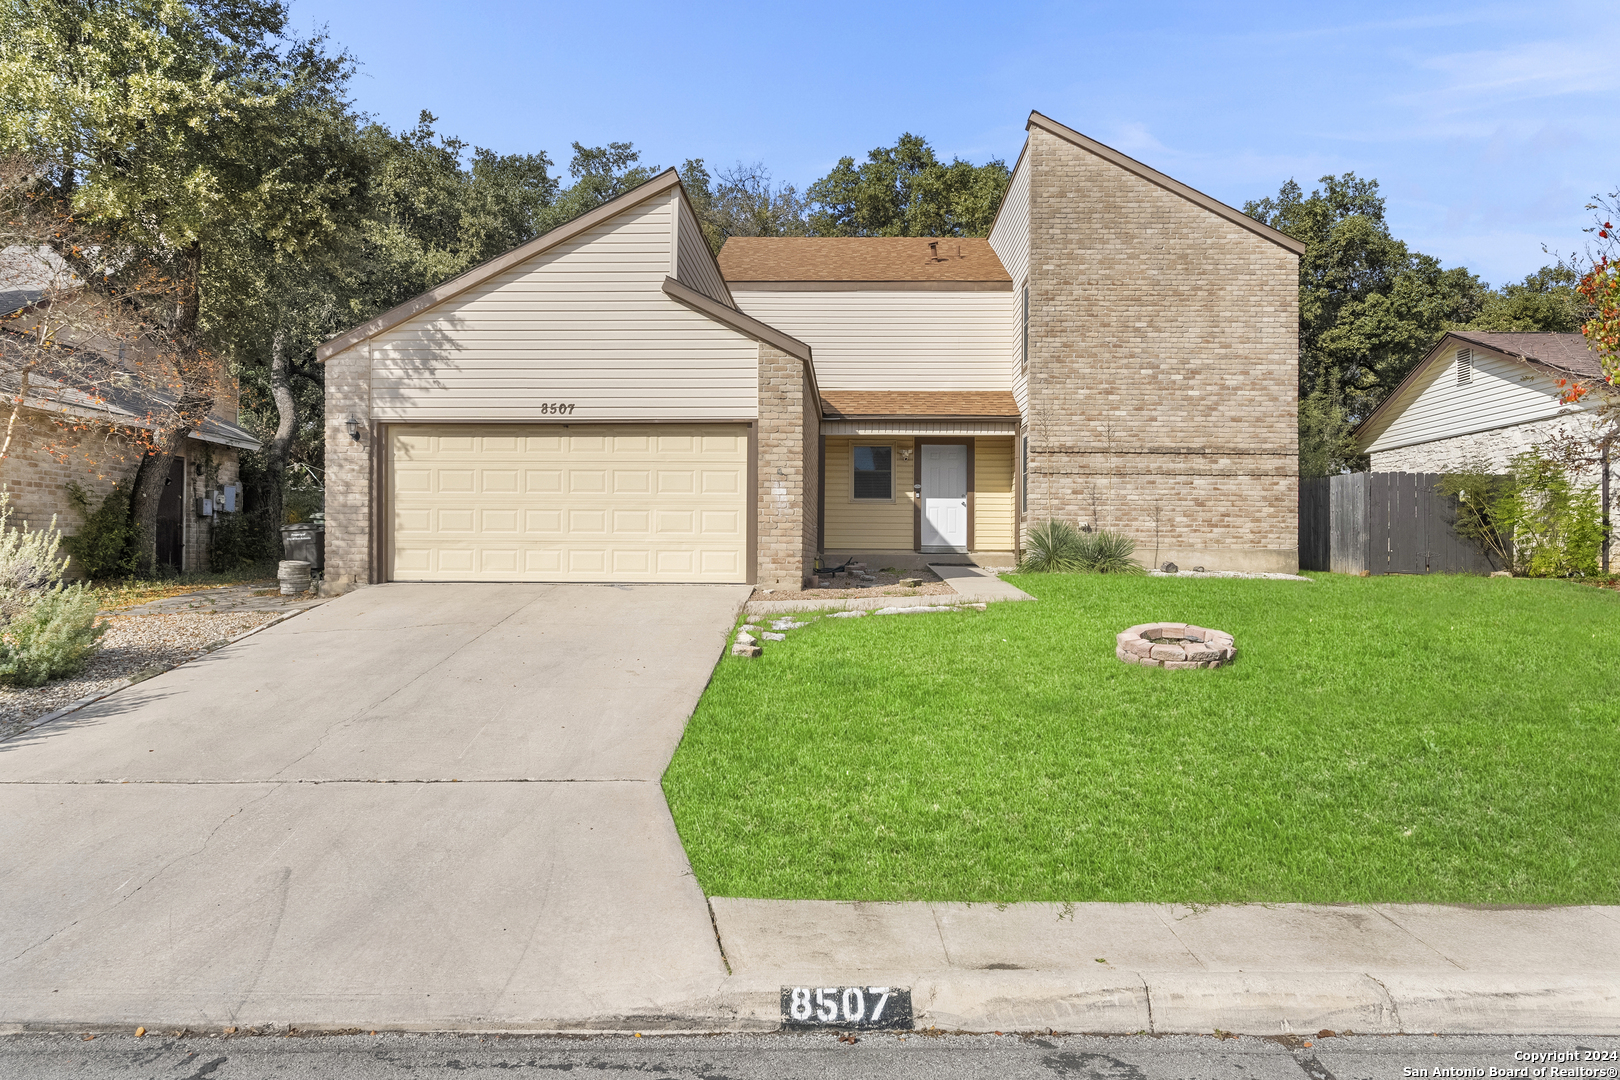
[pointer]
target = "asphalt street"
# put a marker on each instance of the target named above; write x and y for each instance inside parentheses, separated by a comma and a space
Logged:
(892, 1056)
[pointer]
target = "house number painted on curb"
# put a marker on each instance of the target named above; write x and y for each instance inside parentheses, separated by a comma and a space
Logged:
(855, 1007)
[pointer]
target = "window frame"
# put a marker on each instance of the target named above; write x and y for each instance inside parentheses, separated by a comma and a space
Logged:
(853, 448)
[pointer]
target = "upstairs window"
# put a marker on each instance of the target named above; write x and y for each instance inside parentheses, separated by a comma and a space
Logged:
(1465, 366)
(874, 472)
(1023, 355)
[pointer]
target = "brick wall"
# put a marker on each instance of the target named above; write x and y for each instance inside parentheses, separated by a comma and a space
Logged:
(1492, 449)
(788, 429)
(1164, 353)
(348, 471)
(45, 456)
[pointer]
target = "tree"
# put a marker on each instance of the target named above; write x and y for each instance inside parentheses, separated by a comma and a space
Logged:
(182, 125)
(1369, 308)
(905, 190)
(1545, 301)
(742, 201)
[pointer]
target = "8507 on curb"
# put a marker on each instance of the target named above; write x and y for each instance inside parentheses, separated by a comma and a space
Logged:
(848, 1008)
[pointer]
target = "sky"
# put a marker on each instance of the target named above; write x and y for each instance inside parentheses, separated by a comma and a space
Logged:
(1488, 126)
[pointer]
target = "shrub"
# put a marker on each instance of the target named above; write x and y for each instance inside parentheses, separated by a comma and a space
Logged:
(47, 629)
(1534, 518)
(1056, 547)
(104, 546)
(242, 540)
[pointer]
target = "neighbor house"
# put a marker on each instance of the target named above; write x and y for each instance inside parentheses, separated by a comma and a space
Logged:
(71, 429)
(1479, 399)
(610, 402)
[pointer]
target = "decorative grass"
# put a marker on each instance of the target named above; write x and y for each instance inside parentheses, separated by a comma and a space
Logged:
(1442, 739)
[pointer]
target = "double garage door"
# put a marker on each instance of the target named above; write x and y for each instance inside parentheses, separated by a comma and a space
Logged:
(586, 502)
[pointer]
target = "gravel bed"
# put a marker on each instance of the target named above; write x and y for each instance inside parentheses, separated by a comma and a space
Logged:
(133, 644)
(845, 587)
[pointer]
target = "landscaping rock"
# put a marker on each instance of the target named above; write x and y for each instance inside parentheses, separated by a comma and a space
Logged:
(911, 582)
(749, 628)
(768, 636)
(1169, 568)
(749, 651)
(909, 610)
(1501, 573)
(787, 624)
(847, 615)
(746, 639)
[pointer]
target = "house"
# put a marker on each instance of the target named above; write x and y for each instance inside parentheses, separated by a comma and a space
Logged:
(1479, 399)
(89, 432)
(610, 402)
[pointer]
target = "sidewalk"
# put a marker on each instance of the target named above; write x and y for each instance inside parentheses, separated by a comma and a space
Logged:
(1250, 969)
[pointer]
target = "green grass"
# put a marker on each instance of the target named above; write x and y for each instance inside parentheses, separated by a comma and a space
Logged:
(1443, 739)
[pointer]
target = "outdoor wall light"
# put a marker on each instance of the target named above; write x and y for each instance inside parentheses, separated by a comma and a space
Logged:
(353, 425)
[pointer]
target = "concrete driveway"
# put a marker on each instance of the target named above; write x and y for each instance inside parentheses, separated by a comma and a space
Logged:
(418, 805)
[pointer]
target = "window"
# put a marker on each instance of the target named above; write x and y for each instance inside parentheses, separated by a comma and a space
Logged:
(1023, 355)
(874, 472)
(1465, 366)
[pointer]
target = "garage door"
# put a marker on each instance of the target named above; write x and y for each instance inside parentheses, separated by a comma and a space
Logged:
(632, 502)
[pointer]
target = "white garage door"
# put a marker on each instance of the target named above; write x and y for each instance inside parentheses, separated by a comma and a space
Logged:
(588, 502)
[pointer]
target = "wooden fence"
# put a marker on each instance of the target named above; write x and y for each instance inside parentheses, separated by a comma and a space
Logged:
(1383, 523)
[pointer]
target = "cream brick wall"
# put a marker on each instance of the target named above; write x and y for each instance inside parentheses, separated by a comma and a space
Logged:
(1164, 355)
(789, 419)
(348, 470)
(1491, 449)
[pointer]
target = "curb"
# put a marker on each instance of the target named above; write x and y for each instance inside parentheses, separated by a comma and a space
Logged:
(144, 674)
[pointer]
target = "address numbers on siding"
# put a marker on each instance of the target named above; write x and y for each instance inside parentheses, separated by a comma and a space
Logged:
(557, 408)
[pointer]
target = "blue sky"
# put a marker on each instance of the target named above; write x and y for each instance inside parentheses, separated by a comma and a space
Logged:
(1488, 125)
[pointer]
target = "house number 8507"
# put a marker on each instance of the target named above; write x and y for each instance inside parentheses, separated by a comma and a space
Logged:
(846, 1006)
(557, 408)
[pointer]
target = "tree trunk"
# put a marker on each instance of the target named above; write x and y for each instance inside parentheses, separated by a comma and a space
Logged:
(286, 424)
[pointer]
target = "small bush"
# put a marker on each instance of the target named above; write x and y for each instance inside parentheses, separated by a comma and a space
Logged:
(47, 629)
(242, 540)
(1056, 547)
(51, 638)
(104, 545)
(1533, 519)
(1053, 547)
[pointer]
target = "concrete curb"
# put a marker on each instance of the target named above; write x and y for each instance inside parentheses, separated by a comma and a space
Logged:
(149, 673)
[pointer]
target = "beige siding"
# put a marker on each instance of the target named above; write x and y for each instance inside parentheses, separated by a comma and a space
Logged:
(583, 324)
(868, 525)
(1499, 393)
(694, 264)
(608, 502)
(900, 340)
(993, 494)
(1010, 239)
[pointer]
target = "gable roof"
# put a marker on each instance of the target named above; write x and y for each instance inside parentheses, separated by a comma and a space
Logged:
(895, 404)
(1154, 176)
(1554, 353)
(1568, 353)
(658, 185)
(746, 259)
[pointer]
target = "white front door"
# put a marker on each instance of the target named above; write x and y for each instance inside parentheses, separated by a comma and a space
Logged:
(944, 497)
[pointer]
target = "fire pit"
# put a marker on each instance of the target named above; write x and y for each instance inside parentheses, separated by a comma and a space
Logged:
(1176, 646)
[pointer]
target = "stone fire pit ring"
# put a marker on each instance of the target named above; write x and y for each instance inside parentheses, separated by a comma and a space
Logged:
(1175, 646)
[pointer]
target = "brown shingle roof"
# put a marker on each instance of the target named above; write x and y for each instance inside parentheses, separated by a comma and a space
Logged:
(870, 404)
(859, 258)
(1567, 352)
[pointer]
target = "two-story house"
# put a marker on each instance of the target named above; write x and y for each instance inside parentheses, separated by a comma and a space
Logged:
(609, 402)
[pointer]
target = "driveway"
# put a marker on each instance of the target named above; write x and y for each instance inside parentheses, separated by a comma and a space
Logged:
(414, 806)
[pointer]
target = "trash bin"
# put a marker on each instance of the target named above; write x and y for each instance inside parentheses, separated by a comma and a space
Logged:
(305, 541)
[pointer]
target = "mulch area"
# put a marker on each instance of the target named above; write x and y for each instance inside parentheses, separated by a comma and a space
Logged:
(883, 583)
(131, 645)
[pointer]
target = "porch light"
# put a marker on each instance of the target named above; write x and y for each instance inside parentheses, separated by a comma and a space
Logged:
(353, 424)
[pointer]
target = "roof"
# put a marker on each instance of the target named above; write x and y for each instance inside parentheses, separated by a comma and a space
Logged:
(1154, 176)
(125, 405)
(883, 404)
(1566, 352)
(26, 274)
(860, 258)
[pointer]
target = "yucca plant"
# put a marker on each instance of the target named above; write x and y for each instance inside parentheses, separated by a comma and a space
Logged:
(1105, 552)
(1054, 547)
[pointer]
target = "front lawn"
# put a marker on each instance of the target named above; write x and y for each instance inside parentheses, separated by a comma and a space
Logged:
(1445, 739)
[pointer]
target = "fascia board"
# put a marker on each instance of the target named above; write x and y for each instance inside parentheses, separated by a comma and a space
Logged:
(746, 325)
